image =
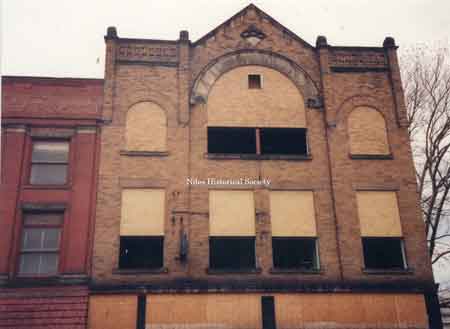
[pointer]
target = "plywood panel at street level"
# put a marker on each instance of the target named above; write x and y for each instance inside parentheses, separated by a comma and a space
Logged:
(289, 310)
(379, 309)
(378, 214)
(292, 214)
(176, 309)
(231, 213)
(367, 132)
(277, 104)
(143, 212)
(220, 311)
(411, 310)
(241, 311)
(112, 312)
(346, 309)
(316, 308)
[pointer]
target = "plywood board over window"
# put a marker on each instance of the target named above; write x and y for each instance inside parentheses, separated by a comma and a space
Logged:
(232, 213)
(292, 214)
(367, 132)
(143, 212)
(146, 128)
(378, 214)
(278, 103)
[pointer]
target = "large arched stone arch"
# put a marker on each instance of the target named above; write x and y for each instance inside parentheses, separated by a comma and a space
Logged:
(207, 77)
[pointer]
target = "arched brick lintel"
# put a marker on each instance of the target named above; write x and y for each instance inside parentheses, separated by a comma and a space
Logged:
(208, 76)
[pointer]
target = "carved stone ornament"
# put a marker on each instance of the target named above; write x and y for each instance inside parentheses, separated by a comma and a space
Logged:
(253, 35)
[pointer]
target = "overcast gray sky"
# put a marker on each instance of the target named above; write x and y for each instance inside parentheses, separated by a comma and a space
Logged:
(64, 38)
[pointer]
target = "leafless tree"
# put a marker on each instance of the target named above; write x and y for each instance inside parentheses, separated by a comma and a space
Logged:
(426, 79)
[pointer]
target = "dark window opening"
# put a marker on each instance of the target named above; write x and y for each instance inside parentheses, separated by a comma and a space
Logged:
(231, 140)
(268, 312)
(49, 162)
(383, 253)
(231, 253)
(141, 252)
(295, 253)
(283, 141)
(41, 235)
(254, 81)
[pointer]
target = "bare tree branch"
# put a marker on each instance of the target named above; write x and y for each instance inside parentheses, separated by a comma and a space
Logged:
(426, 76)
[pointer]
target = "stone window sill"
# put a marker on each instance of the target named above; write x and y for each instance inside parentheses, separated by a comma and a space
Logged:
(145, 153)
(47, 187)
(388, 271)
(233, 271)
(134, 271)
(226, 156)
(295, 271)
(371, 156)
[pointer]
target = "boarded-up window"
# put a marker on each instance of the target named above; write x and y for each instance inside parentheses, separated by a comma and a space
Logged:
(142, 212)
(142, 228)
(234, 102)
(218, 311)
(294, 232)
(232, 230)
(378, 214)
(231, 213)
(292, 214)
(381, 230)
(367, 132)
(112, 311)
(146, 128)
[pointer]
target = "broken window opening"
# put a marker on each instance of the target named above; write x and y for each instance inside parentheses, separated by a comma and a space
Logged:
(232, 253)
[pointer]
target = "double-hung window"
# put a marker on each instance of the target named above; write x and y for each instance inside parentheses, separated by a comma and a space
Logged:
(40, 244)
(49, 162)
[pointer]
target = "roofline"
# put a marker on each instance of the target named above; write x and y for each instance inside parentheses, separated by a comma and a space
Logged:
(270, 18)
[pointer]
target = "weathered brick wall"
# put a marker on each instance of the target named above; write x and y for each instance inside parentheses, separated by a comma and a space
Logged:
(330, 173)
(56, 307)
(51, 97)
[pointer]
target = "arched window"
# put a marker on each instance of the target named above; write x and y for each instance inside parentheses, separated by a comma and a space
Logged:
(367, 132)
(256, 110)
(146, 128)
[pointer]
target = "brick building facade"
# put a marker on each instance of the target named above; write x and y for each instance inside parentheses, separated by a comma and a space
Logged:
(50, 137)
(252, 180)
(244, 180)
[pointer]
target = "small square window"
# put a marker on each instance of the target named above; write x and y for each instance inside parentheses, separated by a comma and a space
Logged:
(49, 162)
(384, 253)
(138, 252)
(254, 81)
(39, 252)
(295, 253)
(231, 253)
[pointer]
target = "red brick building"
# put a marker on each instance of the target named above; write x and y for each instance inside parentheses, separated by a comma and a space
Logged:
(49, 142)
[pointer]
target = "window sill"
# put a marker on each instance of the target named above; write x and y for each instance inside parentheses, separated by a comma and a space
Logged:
(371, 156)
(226, 156)
(388, 271)
(47, 187)
(233, 271)
(133, 271)
(295, 271)
(145, 153)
